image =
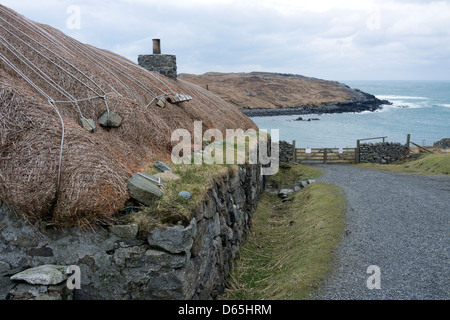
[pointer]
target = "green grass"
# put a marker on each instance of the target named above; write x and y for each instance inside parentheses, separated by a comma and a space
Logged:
(291, 242)
(194, 178)
(426, 164)
(171, 209)
(290, 173)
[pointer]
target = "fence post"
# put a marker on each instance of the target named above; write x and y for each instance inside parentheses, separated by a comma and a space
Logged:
(357, 152)
(294, 151)
(408, 140)
(325, 155)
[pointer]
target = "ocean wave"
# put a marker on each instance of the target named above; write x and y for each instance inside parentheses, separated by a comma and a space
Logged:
(384, 108)
(390, 107)
(445, 105)
(394, 97)
(409, 104)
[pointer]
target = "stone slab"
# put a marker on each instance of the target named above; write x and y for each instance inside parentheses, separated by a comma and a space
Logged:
(43, 275)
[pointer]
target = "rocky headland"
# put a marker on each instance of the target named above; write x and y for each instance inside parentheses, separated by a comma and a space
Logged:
(267, 94)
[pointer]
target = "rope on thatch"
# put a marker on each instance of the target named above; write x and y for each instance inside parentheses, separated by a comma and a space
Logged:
(93, 60)
(93, 57)
(130, 77)
(90, 176)
(40, 73)
(52, 104)
(63, 70)
(151, 74)
(103, 96)
(35, 28)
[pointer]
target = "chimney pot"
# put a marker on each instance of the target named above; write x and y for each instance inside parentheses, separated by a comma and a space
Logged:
(156, 46)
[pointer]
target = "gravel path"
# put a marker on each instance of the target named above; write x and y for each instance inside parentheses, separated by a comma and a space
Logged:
(398, 222)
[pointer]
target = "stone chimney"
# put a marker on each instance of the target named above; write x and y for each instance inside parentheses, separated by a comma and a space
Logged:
(165, 64)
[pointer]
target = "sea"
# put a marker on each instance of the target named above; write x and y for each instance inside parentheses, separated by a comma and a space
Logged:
(419, 108)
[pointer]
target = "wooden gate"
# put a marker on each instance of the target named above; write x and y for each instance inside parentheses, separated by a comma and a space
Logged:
(324, 155)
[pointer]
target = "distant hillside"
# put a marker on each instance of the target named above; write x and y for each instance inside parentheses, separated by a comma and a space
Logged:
(295, 94)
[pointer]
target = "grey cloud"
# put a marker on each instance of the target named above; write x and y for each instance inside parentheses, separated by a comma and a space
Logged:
(333, 44)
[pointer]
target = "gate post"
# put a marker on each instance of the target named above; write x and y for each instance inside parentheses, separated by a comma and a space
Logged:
(325, 155)
(294, 152)
(357, 152)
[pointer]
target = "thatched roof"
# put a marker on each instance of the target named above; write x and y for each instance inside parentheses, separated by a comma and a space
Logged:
(53, 169)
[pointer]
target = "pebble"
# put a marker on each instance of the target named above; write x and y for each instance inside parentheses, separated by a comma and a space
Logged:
(185, 194)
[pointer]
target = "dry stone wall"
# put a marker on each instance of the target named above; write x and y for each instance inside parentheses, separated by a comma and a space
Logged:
(383, 152)
(286, 151)
(176, 262)
(443, 143)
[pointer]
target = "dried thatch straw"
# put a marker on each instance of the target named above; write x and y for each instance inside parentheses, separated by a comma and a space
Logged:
(48, 81)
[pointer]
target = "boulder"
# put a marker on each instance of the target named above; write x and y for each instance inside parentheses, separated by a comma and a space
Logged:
(145, 188)
(48, 274)
(161, 103)
(87, 124)
(110, 119)
(161, 166)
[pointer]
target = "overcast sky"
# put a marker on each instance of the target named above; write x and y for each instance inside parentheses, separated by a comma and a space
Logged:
(329, 39)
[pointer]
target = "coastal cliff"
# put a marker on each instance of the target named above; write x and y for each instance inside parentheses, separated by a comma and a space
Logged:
(266, 94)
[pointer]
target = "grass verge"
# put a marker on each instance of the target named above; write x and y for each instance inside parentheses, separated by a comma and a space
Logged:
(291, 242)
(426, 164)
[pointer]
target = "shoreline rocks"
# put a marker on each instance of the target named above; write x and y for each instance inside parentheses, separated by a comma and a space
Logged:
(340, 107)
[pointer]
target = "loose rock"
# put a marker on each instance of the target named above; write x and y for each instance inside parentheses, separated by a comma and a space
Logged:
(283, 193)
(161, 166)
(110, 119)
(44, 275)
(145, 188)
(185, 194)
(87, 124)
